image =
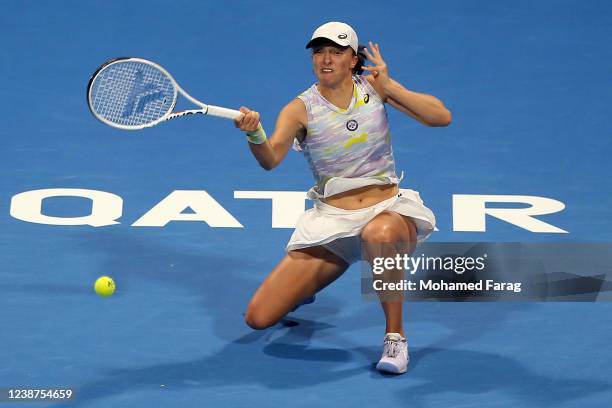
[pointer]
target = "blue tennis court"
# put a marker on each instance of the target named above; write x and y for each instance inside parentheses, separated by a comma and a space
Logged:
(529, 87)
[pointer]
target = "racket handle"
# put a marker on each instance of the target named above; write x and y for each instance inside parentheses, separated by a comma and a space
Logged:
(223, 112)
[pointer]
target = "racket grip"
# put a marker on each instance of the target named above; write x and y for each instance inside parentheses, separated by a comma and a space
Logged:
(223, 112)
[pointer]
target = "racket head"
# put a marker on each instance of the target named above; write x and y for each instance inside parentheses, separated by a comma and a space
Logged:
(131, 93)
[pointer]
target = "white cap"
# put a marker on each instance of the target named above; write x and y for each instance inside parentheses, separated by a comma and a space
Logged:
(340, 33)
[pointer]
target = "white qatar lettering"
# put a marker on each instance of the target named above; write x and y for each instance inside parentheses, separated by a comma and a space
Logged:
(470, 211)
(205, 208)
(287, 206)
(106, 208)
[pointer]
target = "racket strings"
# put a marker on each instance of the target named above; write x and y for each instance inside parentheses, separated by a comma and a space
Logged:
(132, 93)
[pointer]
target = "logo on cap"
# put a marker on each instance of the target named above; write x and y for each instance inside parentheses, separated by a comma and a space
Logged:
(342, 36)
(352, 125)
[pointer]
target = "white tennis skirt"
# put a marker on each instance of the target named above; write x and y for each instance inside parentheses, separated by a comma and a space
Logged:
(339, 230)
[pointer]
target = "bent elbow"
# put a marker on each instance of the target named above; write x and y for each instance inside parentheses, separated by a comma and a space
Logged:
(266, 165)
(443, 120)
(449, 118)
(446, 121)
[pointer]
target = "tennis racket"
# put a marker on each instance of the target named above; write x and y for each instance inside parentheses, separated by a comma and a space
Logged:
(133, 93)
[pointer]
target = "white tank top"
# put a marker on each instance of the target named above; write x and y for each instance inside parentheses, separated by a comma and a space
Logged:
(347, 148)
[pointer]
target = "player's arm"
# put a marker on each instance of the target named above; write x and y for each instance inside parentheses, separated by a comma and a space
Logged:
(427, 109)
(270, 152)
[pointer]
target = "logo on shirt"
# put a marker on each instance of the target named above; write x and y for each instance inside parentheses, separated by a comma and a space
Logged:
(366, 98)
(352, 125)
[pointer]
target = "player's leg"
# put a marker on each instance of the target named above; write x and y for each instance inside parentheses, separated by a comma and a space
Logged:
(298, 276)
(388, 235)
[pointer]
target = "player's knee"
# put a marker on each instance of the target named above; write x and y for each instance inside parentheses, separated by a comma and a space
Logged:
(412, 230)
(388, 228)
(380, 232)
(257, 319)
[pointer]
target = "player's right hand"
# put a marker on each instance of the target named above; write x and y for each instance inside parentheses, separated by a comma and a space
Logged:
(249, 122)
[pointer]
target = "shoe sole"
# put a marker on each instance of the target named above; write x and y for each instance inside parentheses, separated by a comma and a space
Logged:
(389, 368)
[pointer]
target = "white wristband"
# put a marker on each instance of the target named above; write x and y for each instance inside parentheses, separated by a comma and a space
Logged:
(258, 136)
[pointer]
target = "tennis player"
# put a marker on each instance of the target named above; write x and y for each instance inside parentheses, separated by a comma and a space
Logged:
(340, 125)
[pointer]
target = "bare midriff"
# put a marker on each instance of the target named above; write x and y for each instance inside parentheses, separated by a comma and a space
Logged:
(362, 197)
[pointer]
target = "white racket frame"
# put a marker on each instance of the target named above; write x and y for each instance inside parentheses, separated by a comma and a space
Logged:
(205, 109)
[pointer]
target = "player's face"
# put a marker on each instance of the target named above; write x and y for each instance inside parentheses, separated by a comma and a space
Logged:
(332, 64)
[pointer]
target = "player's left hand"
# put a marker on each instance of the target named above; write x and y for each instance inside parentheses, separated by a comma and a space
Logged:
(379, 70)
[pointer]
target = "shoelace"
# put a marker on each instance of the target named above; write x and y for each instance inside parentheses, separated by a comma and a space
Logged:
(392, 347)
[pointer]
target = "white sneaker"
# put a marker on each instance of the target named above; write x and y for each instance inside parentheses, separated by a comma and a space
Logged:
(395, 355)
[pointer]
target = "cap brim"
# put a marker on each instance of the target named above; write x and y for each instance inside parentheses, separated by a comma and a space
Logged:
(309, 45)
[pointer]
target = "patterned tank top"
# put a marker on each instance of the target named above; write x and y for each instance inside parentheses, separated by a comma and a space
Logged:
(347, 148)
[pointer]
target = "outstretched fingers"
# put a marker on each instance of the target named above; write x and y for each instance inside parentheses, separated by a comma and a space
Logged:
(379, 67)
(373, 55)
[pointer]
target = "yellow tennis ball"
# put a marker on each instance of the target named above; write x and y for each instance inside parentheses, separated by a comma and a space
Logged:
(105, 286)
